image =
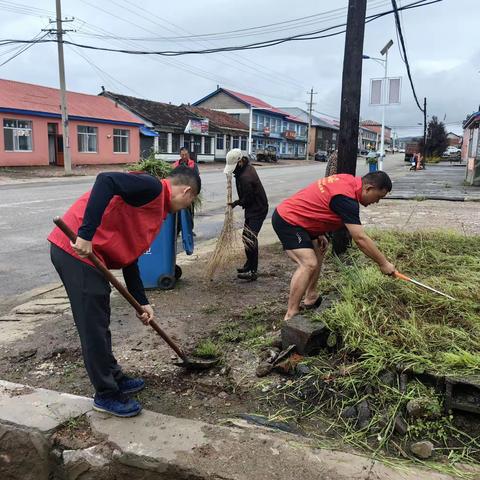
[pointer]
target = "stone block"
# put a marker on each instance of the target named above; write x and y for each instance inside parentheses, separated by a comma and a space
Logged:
(46, 409)
(307, 336)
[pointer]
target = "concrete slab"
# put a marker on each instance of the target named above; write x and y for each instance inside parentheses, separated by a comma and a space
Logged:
(159, 447)
(37, 408)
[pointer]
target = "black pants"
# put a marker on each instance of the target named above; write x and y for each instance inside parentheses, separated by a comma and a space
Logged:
(89, 295)
(250, 233)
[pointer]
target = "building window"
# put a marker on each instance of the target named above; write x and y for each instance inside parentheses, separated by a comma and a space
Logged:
(162, 142)
(301, 150)
(260, 122)
(121, 140)
(17, 135)
(87, 139)
(255, 121)
(220, 142)
(235, 142)
(243, 145)
(334, 136)
(208, 144)
(175, 142)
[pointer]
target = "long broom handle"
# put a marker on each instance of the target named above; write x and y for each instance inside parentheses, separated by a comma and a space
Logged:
(125, 293)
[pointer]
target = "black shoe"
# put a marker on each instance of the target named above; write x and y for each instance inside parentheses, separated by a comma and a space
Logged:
(243, 270)
(250, 276)
(313, 306)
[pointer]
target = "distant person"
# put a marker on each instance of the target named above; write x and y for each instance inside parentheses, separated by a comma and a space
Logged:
(303, 220)
(186, 161)
(117, 220)
(253, 199)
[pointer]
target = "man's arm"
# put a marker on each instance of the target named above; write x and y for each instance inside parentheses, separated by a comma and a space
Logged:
(134, 283)
(135, 189)
(368, 247)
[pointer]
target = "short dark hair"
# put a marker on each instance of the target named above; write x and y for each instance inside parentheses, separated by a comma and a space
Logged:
(184, 149)
(183, 175)
(380, 180)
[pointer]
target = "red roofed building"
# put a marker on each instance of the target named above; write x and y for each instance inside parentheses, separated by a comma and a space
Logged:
(101, 132)
(270, 125)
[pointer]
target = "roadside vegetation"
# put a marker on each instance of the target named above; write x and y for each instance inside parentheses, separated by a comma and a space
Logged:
(381, 388)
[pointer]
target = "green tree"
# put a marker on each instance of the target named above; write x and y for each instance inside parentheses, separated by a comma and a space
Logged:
(437, 141)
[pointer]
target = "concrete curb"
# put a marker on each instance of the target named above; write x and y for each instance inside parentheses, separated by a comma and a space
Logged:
(153, 446)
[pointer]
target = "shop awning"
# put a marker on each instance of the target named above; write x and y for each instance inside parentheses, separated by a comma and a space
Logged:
(148, 132)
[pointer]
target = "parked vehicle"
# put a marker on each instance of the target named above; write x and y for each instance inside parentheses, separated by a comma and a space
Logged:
(321, 156)
(267, 154)
(363, 152)
(401, 150)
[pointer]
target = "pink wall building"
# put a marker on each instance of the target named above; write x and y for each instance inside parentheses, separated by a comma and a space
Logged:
(101, 132)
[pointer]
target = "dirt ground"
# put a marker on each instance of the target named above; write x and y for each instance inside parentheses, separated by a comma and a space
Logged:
(197, 309)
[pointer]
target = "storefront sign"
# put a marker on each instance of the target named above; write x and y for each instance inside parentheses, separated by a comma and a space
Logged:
(197, 127)
(290, 134)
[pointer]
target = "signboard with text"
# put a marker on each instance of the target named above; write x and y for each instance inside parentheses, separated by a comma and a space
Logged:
(197, 127)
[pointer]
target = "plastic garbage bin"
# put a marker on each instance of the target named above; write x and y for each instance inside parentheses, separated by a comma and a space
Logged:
(157, 265)
(373, 167)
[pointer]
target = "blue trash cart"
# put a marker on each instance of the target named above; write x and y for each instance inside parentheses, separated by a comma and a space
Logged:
(158, 268)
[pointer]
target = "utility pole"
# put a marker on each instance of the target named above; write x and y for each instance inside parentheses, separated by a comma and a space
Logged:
(309, 131)
(351, 87)
(67, 159)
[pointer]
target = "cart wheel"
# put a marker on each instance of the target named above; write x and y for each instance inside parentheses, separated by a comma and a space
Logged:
(178, 272)
(166, 282)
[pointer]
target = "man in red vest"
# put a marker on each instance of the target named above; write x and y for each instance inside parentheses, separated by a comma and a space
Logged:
(117, 220)
(325, 206)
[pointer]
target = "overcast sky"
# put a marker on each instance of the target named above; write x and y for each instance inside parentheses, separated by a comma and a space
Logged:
(442, 47)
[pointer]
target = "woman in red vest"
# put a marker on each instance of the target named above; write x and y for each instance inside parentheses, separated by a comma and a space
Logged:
(186, 161)
(303, 220)
(117, 220)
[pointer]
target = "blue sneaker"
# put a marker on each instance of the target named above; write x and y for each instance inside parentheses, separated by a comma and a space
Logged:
(119, 405)
(130, 385)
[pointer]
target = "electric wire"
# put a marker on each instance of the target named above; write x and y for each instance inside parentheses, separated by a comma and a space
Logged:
(402, 43)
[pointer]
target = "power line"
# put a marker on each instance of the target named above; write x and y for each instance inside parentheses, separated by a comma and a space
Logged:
(23, 49)
(405, 58)
(105, 76)
(256, 45)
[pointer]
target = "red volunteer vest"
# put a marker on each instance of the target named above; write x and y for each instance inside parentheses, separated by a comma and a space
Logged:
(190, 163)
(124, 233)
(310, 208)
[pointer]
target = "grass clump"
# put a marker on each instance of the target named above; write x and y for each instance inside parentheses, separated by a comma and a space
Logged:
(387, 326)
(207, 349)
(153, 166)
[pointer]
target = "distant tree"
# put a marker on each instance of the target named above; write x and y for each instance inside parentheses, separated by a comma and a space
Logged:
(437, 141)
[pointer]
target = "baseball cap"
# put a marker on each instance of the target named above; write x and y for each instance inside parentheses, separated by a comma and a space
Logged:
(233, 157)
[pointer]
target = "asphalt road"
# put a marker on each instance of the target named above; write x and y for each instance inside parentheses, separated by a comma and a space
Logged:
(26, 212)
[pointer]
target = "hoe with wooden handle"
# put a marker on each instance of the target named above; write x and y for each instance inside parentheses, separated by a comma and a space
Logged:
(188, 363)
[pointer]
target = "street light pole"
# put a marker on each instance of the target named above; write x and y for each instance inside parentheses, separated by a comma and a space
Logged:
(384, 51)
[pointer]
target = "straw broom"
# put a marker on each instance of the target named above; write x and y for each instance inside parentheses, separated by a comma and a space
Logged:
(227, 247)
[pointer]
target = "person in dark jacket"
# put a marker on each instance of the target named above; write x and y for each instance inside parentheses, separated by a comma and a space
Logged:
(252, 198)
